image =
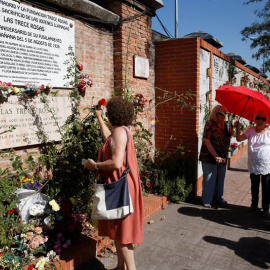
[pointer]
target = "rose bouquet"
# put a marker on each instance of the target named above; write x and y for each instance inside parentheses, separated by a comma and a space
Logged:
(233, 146)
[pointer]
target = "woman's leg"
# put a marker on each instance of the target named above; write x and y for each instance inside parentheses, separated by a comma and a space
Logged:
(265, 192)
(222, 173)
(209, 182)
(125, 255)
(255, 187)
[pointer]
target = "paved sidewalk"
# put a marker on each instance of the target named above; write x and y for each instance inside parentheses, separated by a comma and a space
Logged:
(188, 236)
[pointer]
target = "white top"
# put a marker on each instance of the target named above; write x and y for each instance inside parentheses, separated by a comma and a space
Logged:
(258, 151)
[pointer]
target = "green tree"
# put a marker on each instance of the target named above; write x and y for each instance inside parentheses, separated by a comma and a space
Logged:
(261, 30)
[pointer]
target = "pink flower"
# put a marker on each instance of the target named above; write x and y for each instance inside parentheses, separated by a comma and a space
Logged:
(38, 230)
(49, 86)
(58, 251)
(147, 183)
(29, 235)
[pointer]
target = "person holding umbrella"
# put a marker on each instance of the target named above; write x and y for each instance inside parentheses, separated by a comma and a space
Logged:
(213, 155)
(258, 159)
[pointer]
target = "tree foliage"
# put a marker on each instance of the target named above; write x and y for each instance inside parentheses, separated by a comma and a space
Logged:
(261, 31)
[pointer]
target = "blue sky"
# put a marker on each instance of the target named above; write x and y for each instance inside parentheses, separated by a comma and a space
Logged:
(224, 19)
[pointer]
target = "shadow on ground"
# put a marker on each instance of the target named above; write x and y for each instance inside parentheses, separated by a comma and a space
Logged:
(257, 256)
(237, 169)
(230, 215)
(249, 226)
(93, 265)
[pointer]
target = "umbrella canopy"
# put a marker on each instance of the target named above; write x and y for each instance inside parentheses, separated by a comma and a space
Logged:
(243, 101)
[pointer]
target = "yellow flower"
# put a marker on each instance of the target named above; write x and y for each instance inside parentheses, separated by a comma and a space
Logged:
(55, 206)
(23, 179)
(72, 200)
(15, 90)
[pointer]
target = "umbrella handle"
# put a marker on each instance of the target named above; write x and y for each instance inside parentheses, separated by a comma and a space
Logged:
(244, 107)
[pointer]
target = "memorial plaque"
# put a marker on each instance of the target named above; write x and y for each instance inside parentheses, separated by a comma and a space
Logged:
(141, 67)
(33, 45)
(29, 117)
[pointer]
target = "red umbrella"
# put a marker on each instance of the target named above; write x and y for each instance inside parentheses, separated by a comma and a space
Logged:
(243, 101)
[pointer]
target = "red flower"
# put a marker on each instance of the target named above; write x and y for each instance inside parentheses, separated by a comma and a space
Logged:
(82, 85)
(11, 211)
(42, 87)
(147, 183)
(1, 254)
(102, 102)
(32, 266)
(9, 84)
(80, 67)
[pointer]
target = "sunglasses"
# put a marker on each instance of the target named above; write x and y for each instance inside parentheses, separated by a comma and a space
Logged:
(221, 114)
(261, 118)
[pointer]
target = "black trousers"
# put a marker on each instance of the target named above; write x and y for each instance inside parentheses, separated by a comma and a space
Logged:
(255, 186)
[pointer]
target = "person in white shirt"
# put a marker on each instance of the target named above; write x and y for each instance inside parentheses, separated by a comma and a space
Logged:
(258, 160)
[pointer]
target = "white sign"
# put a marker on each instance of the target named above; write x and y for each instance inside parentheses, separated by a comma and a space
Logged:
(141, 67)
(33, 45)
(30, 117)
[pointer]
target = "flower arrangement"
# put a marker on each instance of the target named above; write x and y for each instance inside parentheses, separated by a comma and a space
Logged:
(29, 183)
(29, 90)
(83, 79)
(245, 79)
(233, 146)
(139, 100)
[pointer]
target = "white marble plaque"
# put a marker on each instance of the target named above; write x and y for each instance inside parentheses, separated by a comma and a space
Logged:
(29, 117)
(141, 67)
(33, 45)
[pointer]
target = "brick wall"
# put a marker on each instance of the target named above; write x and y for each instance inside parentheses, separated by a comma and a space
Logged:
(176, 70)
(132, 37)
(94, 49)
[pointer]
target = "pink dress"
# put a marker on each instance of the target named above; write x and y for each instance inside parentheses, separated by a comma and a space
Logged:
(130, 229)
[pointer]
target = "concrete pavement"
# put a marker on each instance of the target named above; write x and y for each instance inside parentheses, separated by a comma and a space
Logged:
(187, 236)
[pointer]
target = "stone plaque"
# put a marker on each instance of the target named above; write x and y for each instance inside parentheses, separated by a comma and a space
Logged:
(33, 45)
(141, 67)
(29, 117)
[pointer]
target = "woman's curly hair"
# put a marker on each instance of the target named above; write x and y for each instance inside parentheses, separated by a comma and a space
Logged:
(120, 111)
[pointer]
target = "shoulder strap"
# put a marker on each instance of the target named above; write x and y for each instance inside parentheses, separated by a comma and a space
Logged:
(126, 171)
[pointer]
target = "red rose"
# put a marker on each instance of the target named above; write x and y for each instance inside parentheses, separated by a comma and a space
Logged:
(42, 87)
(1, 254)
(11, 211)
(82, 85)
(102, 102)
(9, 84)
(147, 184)
(80, 67)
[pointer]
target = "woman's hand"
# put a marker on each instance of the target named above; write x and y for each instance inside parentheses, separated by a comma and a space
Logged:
(90, 165)
(219, 160)
(98, 113)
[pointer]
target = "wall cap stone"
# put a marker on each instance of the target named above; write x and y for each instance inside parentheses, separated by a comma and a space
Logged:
(87, 8)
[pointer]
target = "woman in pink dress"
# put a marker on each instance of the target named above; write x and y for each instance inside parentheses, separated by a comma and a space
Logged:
(128, 231)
